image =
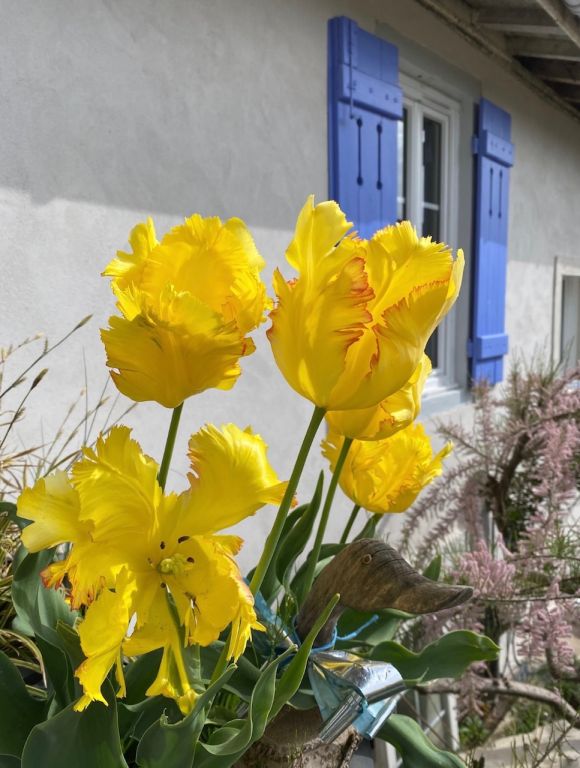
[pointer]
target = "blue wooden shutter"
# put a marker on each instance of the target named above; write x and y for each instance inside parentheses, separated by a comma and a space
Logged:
(364, 104)
(494, 157)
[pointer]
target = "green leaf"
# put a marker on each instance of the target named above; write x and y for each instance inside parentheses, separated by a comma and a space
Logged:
(19, 712)
(266, 702)
(382, 629)
(89, 739)
(245, 677)
(35, 605)
(271, 585)
(303, 699)
(59, 671)
(447, 657)
(9, 761)
(433, 570)
(293, 544)
(136, 719)
(292, 676)
(251, 728)
(139, 675)
(70, 643)
(137, 711)
(172, 745)
(226, 745)
(327, 551)
(414, 747)
(9, 509)
(369, 528)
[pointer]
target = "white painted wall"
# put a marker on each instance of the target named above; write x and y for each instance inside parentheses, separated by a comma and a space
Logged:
(112, 110)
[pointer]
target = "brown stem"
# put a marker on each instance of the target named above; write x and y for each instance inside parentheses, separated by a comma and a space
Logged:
(501, 707)
(556, 670)
(514, 689)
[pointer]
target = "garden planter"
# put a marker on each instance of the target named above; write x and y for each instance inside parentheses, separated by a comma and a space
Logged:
(291, 741)
(369, 575)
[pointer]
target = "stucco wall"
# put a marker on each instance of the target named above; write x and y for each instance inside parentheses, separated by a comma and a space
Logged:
(116, 109)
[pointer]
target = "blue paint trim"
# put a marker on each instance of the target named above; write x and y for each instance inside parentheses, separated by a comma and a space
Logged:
(496, 148)
(494, 154)
(368, 92)
(364, 104)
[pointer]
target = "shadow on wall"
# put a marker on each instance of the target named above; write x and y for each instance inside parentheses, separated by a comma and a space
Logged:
(165, 107)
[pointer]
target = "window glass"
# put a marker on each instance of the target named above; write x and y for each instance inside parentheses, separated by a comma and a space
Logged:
(402, 166)
(431, 203)
(570, 338)
(431, 178)
(425, 139)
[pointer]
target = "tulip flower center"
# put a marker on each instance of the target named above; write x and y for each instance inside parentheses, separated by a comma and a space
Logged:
(176, 565)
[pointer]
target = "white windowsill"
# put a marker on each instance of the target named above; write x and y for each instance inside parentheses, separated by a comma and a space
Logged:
(436, 400)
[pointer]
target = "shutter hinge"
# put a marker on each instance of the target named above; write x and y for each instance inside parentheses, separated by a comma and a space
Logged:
(474, 145)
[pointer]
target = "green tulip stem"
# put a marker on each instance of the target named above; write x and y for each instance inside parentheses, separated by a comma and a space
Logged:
(315, 554)
(180, 631)
(351, 519)
(275, 533)
(169, 445)
(369, 528)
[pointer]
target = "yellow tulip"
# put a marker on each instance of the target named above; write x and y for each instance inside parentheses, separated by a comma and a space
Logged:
(387, 475)
(187, 305)
(133, 546)
(352, 328)
(391, 415)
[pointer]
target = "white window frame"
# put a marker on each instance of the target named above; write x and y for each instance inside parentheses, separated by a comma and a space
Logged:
(562, 269)
(422, 100)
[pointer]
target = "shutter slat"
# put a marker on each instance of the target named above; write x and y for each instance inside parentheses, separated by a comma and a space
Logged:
(365, 101)
(495, 154)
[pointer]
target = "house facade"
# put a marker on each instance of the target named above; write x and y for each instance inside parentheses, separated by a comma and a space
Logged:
(444, 113)
(116, 111)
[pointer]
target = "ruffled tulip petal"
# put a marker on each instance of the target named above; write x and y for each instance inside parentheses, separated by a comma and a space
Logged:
(391, 415)
(127, 268)
(216, 263)
(102, 632)
(53, 506)
(386, 475)
(322, 313)
(244, 623)
(231, 479)
(390, 352)
(136, 552)
(187, 304)
(154, 624)
(167, 358)
(414, 482)
(352, 328)
(398, 262)
(313, 251)
(172, 680)
(117, 486)
(311, 333)
(89, 568)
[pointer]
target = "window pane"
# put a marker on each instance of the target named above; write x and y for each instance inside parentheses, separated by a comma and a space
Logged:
(402, 128)
(432, 161)
(431, 204)
(431, 223)
(570, 338)
(431, 349)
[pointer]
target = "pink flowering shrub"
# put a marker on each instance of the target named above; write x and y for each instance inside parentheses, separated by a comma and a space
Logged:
(513, 494)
